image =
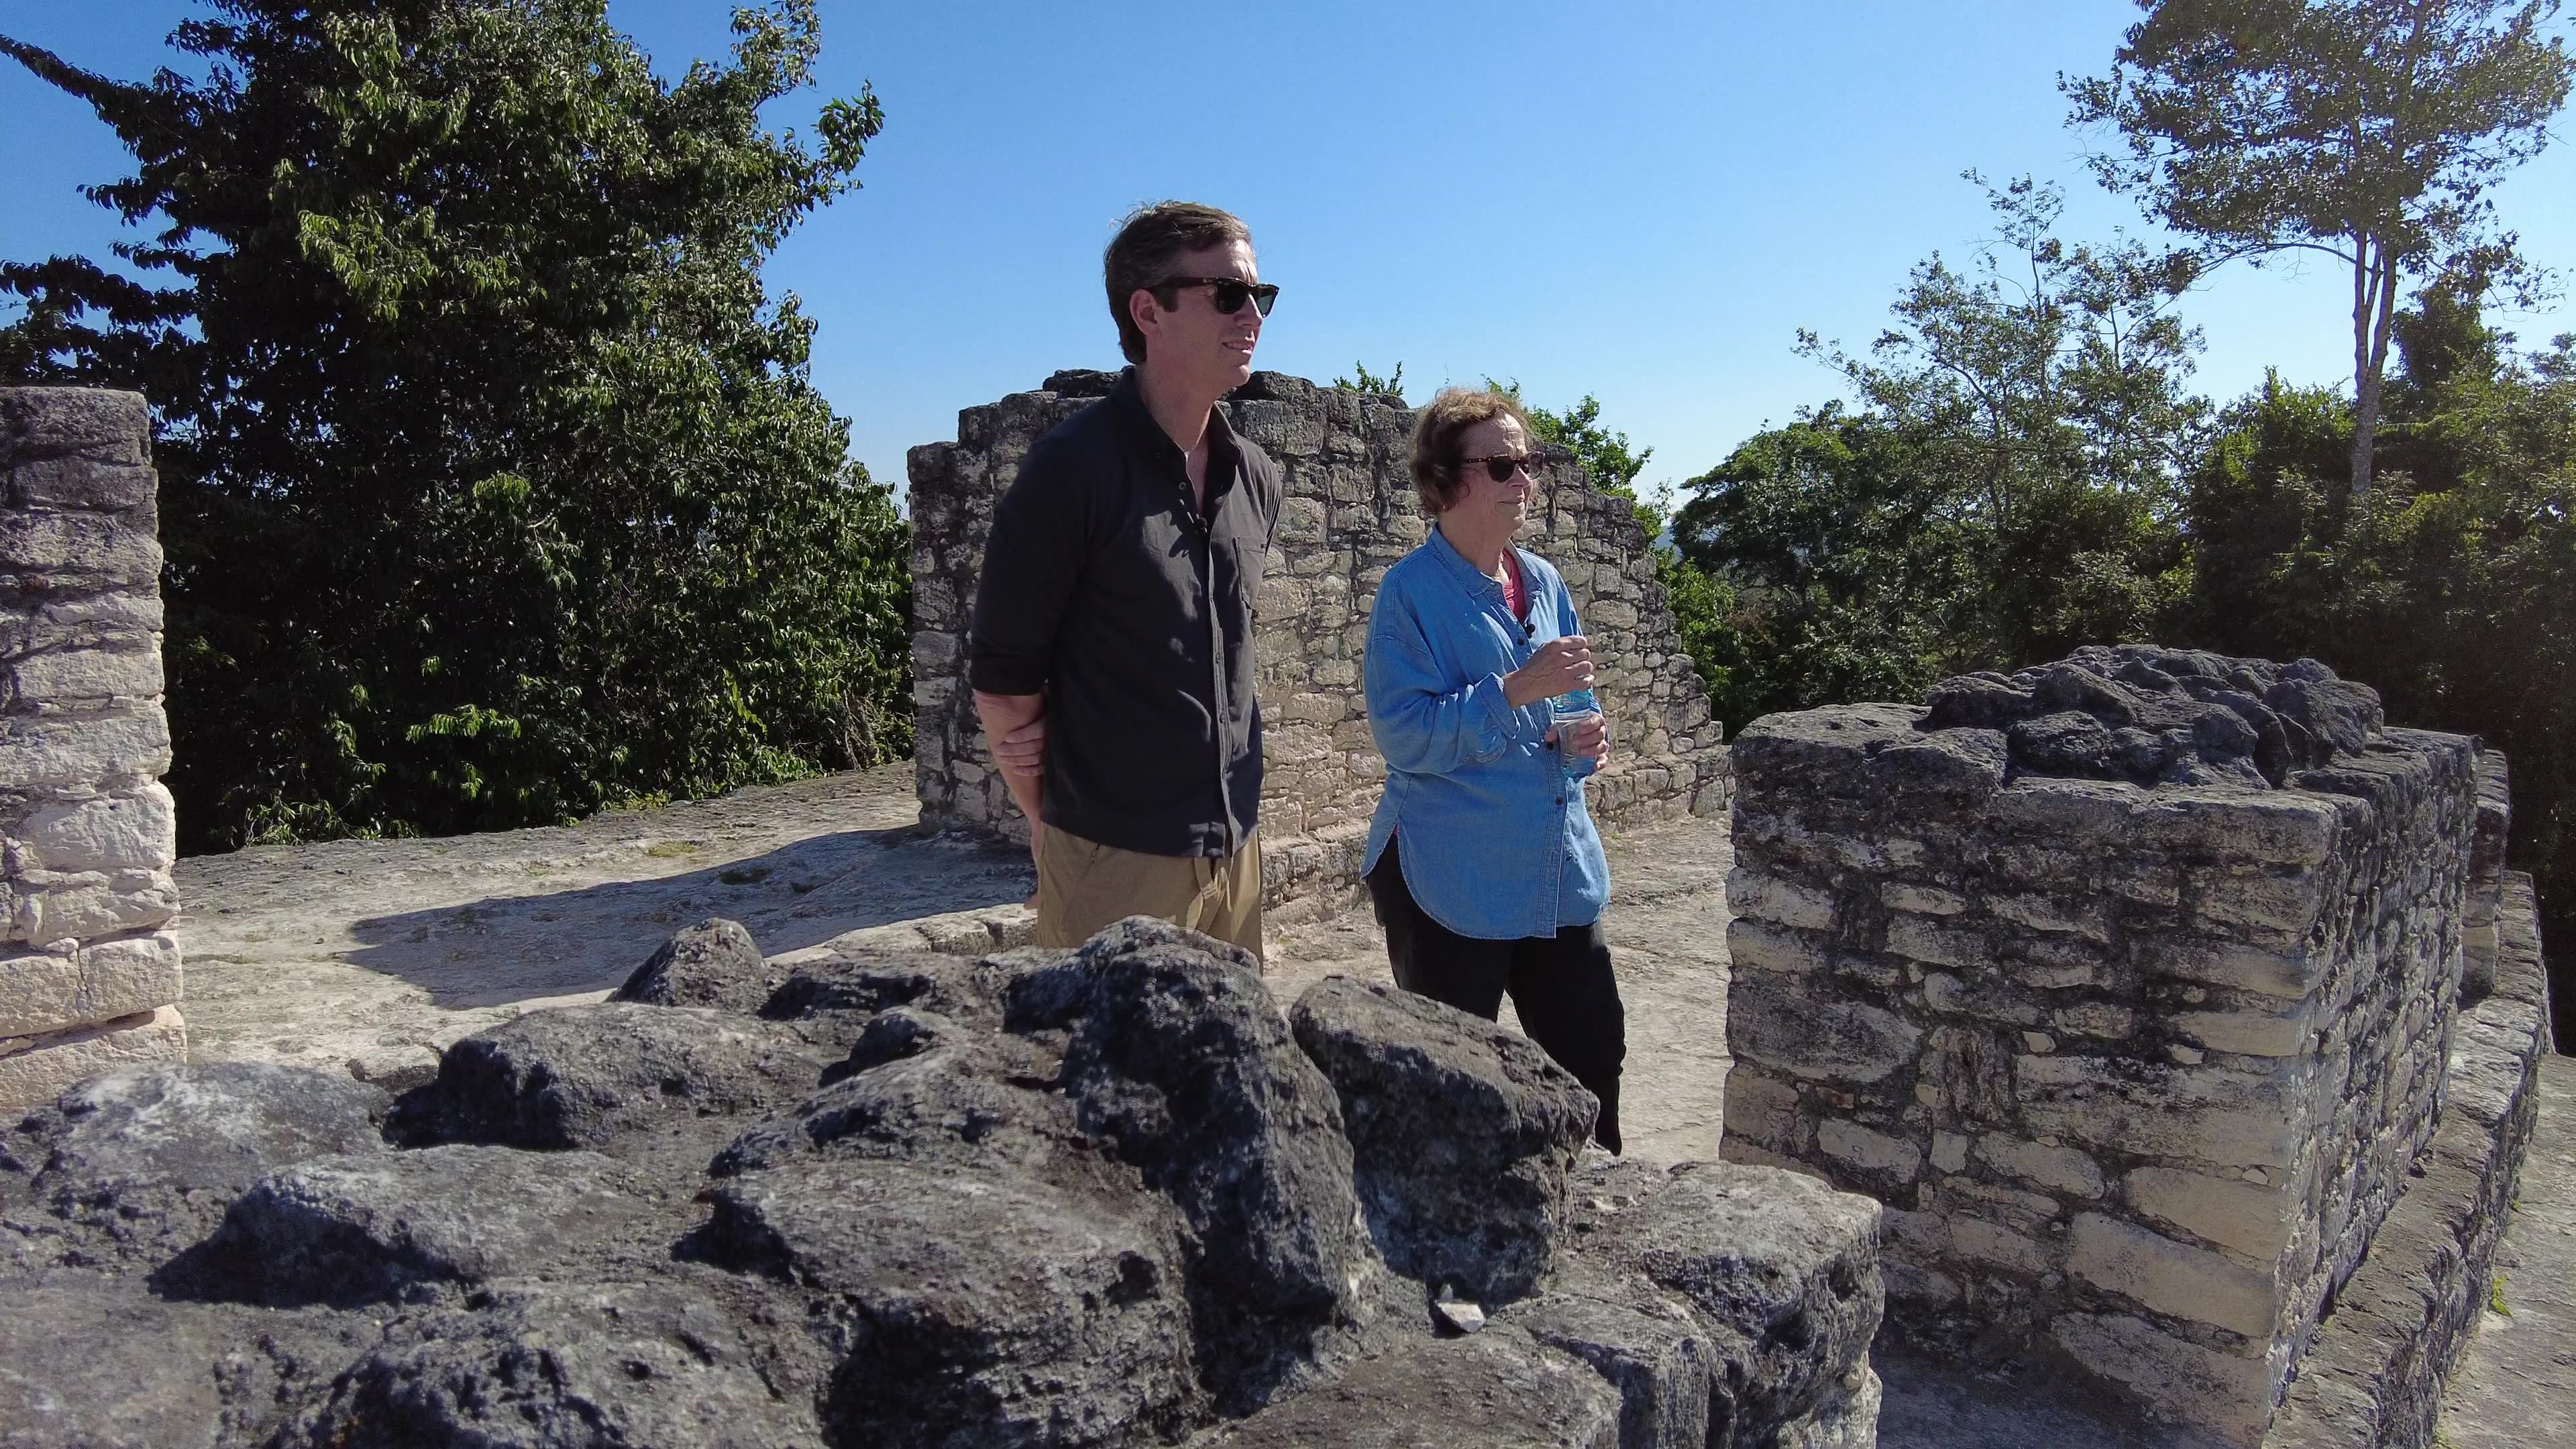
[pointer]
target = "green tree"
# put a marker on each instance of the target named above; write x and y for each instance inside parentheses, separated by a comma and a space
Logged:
(2002, 488)
(493, 486)
(1838, 564)
(1390, 385)
(2449, 587)
(2367, 130)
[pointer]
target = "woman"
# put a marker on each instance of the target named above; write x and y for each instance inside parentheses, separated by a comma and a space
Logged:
(1482, 860)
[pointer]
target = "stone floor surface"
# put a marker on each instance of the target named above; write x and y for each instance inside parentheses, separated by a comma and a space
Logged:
(2516, 1384)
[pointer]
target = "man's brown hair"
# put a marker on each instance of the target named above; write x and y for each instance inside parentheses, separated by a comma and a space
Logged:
(1149, 242)
(1445, 419)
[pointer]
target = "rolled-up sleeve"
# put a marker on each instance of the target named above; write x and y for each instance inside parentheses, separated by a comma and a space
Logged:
(1421, 723)
(1031, 561)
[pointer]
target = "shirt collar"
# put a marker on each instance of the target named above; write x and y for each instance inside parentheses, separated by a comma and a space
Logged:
(1127, 400)
(1474, 579)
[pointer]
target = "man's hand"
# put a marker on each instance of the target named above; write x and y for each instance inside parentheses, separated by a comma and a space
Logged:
(1021, 753)
(1015, 728)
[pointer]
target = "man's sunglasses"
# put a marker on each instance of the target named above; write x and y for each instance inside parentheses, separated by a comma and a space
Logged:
(1502, 466)
(1230, 294)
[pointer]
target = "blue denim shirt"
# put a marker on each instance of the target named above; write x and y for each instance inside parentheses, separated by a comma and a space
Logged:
(1497, 843)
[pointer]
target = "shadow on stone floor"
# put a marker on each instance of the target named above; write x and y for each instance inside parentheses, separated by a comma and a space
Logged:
(515, 946)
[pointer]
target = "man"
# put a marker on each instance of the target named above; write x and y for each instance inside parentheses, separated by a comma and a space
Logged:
(1111, 650)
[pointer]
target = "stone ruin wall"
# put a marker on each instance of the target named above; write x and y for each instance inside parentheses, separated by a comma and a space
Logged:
(89, 974)
(2137, 1069)
(1349, 512)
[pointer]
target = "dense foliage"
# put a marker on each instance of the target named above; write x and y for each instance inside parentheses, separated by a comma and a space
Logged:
(493, 486)
(2003, 489)
(2451, 587)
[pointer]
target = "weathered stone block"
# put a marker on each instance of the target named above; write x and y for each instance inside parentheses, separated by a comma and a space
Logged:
(1980, 1241)
(2060, 1168)
(2277, 826)
(1761, 1107)
(1816, 1039)
(81, 483)
(100, 424)
(2250, 1033)
(2252, 1219)
(1875, 1153)
(90, 904)
(2223, 1393)
(2173, 1278)
(36, 1069)
(133, 831)
(1759, 946)
(2237, 1119)
(1781, 902)
(50, 753)
(44, 991)
(97, 549)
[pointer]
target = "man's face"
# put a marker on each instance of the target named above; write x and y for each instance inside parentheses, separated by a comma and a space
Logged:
(1192, 340)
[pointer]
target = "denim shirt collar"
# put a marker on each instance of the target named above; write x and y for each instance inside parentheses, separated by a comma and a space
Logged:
(1477, 582)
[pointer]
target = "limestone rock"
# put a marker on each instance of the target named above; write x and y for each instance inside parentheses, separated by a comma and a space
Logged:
(104, 1364)
(1499, 1389)
(1646, 1344)
(975, 1101)
(1782, 1272)
(352, 1230)
(1462, 1134)
(139, 1163)
(712, 963)
(2171, 716)
(1177, 1055)
(971, 1303)
(542, 1366)
(586, 1076)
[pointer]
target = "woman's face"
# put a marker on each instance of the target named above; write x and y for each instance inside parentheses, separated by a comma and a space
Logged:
(1480, 498)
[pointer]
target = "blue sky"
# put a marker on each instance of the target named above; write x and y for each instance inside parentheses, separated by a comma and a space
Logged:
(1642, 201)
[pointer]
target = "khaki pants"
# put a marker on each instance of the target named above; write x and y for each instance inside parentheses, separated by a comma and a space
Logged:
(1084, 885)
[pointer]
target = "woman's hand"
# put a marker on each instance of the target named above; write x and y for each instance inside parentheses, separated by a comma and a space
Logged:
(1587, 737)
(1560, 666)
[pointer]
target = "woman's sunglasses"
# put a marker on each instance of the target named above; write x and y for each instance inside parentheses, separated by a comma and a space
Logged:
(1230, 294)
(1502, 466)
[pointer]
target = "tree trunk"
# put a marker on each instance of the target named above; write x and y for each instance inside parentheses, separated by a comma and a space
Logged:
(2371, 327)
(2365, 380)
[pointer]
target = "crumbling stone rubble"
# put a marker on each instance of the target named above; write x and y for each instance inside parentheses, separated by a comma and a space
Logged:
(1107, 1197)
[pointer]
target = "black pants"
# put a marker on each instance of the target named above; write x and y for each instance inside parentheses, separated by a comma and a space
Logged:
(1561, 985)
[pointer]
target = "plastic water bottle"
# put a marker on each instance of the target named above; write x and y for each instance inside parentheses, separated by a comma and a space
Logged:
(1568, 708)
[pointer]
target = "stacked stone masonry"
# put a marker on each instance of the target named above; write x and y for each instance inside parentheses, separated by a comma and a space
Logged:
(1349, 513)
(2126, 984)
(89, 976)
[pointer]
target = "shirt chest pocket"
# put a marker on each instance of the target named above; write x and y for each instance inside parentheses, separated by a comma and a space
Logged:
(1153, 567)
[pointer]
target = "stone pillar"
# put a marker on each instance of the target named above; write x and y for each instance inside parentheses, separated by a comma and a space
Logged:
(89, 974)
(2139, 1059)
(1349, 513)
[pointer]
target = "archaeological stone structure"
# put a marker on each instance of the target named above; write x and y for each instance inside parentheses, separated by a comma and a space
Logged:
(1350, 511)
(89, 974)
(2139, 987)
(895, 1199)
